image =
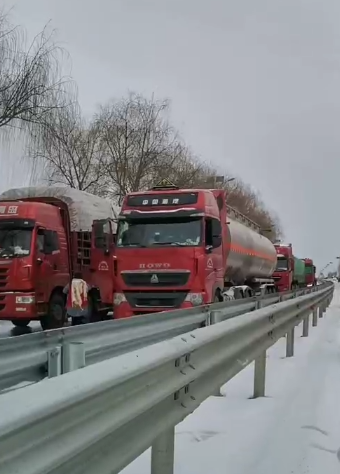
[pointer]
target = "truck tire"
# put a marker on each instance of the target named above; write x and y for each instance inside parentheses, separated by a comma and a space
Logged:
(217, 297)
(21, 323)
(105, 316)
(56, 313)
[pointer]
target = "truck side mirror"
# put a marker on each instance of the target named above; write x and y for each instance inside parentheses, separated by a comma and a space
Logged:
(102, 238)
(208, 248)
(48, 242)
(216, 241)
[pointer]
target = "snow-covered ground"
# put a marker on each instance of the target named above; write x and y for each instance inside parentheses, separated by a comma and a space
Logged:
(8, 330)
(295, 429)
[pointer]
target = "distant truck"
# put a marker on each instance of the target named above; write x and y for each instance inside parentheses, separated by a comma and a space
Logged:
(180, 248)
(310, 272)
(290, 272)
(46, 235)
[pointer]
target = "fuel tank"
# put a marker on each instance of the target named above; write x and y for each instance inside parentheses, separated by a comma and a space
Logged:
(249, 255)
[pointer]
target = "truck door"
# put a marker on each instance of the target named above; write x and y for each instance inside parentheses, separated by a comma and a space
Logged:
(214, 255)
(46, 263)
(102, 258)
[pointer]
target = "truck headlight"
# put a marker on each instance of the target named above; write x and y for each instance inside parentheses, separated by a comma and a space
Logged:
(196, 299)
(25, 299)
(118, 298)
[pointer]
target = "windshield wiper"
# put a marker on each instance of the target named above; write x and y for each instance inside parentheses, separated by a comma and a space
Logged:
(178, 244)
(134, 244)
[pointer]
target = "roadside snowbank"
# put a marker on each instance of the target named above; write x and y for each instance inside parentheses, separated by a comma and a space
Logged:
(295, 429)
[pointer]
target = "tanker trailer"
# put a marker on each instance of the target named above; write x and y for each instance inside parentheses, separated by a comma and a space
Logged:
(250, 258)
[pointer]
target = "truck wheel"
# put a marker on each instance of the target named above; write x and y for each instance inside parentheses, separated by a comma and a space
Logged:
(217, 298)
(105, 316)
(93, 315)
(21, 323)
(56, 313)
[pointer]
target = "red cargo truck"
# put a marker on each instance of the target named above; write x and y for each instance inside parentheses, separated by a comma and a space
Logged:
(47, 234)
(283, 274)
(290, 272)
(310, 271)
(181, 248)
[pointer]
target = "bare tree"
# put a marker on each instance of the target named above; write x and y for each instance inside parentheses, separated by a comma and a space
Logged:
(248, 202)
(70, 151)
(30, 82)
(181, 167)
(138, 141)
(243, 198)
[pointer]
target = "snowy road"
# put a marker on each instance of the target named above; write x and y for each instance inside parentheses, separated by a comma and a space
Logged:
(294, 430)
(8, 330)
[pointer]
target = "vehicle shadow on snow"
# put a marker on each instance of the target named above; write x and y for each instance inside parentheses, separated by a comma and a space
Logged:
(319, 446)
(16, 331)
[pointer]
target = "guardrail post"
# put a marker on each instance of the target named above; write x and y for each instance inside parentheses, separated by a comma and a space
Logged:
(321, 309)
(163, 453)
(54, 362)
(260, 370)
(315, 317)
(73, 356)
(324, 306)
(213, 317)
(214, 320)
(290, 343)
(305, 327)
(260, 375)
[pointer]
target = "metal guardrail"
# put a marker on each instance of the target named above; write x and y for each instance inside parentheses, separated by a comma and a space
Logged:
(100, 418)
(32, 357)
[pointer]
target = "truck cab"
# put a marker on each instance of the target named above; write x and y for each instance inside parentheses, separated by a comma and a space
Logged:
(283, 274)
(310, 271)
(45, 236)
(169, 251)
(32, 261)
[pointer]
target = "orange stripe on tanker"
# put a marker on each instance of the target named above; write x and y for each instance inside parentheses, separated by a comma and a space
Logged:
(239, 249)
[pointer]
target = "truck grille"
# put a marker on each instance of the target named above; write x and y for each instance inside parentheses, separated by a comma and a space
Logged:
(3, 277)
(155, 300)
(155, 279)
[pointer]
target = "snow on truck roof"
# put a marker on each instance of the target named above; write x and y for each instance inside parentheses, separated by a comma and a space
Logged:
(83, 207)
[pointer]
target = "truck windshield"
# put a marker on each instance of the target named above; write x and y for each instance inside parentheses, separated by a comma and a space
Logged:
(309, 269)
(15, 242)
(170, 232)
(282, 264)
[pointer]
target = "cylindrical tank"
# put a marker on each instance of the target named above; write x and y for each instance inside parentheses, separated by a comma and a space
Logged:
(250, 254)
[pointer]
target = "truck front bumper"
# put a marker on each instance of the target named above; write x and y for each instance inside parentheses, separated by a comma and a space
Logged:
(129, 304)
(17, 305)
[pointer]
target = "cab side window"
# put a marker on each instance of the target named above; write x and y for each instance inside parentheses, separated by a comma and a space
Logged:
(47, 241)
(212, 230)
(40, 240)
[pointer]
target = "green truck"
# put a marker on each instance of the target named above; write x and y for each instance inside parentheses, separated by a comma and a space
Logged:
(292, 272)
(299, 273)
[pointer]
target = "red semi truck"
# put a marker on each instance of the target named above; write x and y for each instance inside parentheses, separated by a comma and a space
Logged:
(283, 274)
(292, 272)
(47, 234)
(310, 272)
(182, 248)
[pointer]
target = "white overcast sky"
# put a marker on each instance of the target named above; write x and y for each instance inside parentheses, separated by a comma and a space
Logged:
(254, 84)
